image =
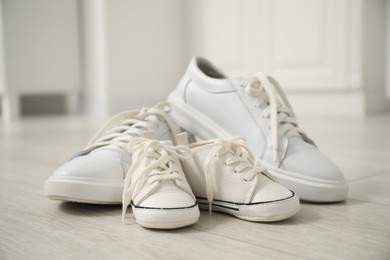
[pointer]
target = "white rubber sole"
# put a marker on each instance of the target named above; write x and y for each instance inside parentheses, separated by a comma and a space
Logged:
(205, 128)
(309, 190)
(166, 218)
(84, 190)
(257, 212)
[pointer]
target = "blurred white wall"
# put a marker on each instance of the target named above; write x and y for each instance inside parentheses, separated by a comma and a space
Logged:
(4, 92)
(329, 55)
(388, 50)
(41, 48)
(374, 56)
(145, 51)
(132, 53)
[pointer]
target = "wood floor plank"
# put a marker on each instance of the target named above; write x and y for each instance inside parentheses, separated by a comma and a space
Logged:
(350, 230)
(67, 230)
(373, 189)
(33, 227)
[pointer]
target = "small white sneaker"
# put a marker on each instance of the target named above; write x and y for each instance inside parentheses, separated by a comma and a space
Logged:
(209, 105)
(225, 176)
(156, 186)
(96, 174)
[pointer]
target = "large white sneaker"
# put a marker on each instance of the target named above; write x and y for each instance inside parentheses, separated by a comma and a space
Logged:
(96, 174)
(225, 176)
(156, 186)
(210, 105)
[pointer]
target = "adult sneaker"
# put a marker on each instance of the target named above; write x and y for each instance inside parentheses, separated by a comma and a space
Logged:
(210, 105)
(226, 177)
(96, 174)
(156, 186)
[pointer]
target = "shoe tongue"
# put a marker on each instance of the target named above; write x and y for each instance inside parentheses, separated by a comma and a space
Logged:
(156, 130)
(136, 153)
(149, 132)
(147, 119)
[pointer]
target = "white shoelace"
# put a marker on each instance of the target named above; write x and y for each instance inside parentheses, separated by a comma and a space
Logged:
(282, 117)
(126, 125)
(159, 170)
(242, 158)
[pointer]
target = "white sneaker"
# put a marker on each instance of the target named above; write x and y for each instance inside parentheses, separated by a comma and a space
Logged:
(156, 186)
(225, 176)
(210, 105)
(96, 174)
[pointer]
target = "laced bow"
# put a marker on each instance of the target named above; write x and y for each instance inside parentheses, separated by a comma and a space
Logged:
(282, 117)
(129, 124)
(242, 158)
(159, 170)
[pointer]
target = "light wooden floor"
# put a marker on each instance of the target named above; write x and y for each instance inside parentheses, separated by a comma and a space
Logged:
(33, 227)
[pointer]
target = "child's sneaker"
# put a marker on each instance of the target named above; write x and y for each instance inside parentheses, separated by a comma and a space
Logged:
(225, 176)
(156, 186)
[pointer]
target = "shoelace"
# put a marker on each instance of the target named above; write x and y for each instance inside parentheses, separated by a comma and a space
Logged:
(159, 170)
(126, 125)
(242, 158)
(282, 117)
